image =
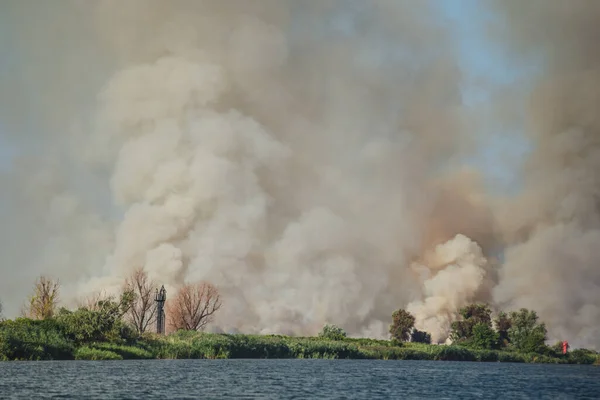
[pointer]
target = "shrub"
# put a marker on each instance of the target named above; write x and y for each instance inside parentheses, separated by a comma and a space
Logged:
(88, 353)
(418, 336)
(582, 356)
(487, 356)
(126, 352)
(304, 348)
(26, 339)
(101, 325)
(332, 332)
(373, 342)
(454, 353)
(509, 356)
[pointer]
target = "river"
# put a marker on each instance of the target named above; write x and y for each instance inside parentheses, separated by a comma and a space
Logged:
(295, 379)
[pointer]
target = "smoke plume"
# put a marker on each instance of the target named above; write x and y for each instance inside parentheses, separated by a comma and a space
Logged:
(554, 227)
(453, 275)
(305, 157)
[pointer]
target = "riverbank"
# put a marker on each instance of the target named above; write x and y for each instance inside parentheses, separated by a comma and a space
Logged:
(50, 344)
(192, 345)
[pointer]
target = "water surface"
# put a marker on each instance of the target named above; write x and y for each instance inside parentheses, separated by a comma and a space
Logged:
(294, 379)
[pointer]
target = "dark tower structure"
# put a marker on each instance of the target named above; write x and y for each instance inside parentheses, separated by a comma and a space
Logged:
(160, 298)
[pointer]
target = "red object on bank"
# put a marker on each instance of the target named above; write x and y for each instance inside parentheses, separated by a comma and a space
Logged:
(565, 346)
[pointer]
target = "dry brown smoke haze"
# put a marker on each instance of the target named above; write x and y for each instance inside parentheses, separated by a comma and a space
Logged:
(307, 158)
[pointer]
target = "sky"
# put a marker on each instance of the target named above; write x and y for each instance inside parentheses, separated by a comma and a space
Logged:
(479, 63)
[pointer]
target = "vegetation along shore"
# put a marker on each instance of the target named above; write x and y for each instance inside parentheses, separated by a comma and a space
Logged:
(108, 328)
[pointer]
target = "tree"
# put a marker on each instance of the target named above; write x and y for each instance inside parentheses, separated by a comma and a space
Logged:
(142, 312)
(503, 323)
(402, 324)
(332, 332)
(43, 301)
(472, 315)
(484, 337)
(102, 323)
(526, 334)
(418, 336)
(557, 348)
(193, 307)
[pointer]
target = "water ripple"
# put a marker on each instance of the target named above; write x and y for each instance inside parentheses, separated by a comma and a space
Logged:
(294, 379)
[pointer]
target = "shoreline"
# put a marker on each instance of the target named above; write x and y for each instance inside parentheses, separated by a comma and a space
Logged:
(198, 345)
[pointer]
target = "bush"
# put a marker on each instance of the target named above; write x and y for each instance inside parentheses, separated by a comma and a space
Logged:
(26, 339)
(102, 325)
(332, 332)
(125, 352)
(509, 356)
(487, 356)
(373, 342)
(304, 348)
(88, 353)
(454, 353)
(418, 336)
(582, 356)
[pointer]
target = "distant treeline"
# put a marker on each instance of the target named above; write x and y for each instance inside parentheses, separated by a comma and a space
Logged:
(106, 328)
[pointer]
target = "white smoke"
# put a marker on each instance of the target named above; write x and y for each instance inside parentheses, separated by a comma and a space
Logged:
(452, 277)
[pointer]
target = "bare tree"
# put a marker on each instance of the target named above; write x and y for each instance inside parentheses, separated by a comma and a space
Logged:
(43, 301)
(193, 306)
(142, 311)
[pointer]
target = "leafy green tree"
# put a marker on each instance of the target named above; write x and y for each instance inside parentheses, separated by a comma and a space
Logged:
(503, 323)
(472, 315)
(102, 324)
(402, 324)
(484, 337)
(418, 336)
(332, 332)
(525, 333)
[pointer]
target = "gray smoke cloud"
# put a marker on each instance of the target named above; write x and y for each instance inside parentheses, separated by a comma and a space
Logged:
(554, 227)
(302, 156)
